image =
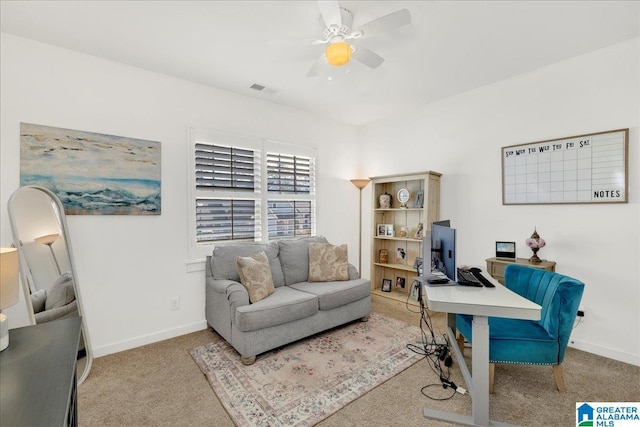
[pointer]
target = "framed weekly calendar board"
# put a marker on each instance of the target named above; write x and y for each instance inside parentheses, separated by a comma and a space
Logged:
(591, 168)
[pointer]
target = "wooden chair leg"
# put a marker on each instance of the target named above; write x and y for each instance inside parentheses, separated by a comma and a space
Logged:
(492, 373)
(557, 374)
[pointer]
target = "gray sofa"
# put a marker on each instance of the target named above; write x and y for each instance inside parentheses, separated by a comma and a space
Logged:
(297, 308)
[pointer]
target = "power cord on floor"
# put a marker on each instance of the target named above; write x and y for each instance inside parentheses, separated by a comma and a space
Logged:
(438, 356)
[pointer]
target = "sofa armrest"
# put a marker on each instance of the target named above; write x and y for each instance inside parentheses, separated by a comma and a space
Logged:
(231, 290)
(63, 312)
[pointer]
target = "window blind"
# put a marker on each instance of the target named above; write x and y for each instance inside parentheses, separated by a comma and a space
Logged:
(289, 219)
(220, 167)
(225, 219)
(288, 174)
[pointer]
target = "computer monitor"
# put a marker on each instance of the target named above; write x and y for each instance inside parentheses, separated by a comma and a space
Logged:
(443, 248)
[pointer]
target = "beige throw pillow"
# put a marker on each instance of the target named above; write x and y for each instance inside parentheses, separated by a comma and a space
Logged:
(255, 275)
(328, 262)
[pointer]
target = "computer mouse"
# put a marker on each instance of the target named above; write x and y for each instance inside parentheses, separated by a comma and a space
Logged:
(475, 270)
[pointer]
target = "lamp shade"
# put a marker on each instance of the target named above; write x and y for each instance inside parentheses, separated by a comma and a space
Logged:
(338, 53)
(9, 266)
(48, 239)
(360, 183)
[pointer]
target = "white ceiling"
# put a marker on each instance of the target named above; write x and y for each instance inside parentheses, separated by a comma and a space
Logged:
(450, 47)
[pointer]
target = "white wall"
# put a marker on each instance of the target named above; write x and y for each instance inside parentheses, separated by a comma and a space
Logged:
(461, 137)
(129, 267)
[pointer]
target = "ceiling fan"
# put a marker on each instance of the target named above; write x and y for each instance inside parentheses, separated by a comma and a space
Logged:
(342, 42)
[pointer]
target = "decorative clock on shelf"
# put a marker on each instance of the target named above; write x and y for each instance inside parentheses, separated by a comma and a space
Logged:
(403, 197)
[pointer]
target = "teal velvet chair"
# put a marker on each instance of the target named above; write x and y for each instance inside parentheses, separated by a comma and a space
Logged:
(542, 342)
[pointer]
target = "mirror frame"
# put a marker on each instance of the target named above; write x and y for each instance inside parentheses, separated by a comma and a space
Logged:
(26, 275)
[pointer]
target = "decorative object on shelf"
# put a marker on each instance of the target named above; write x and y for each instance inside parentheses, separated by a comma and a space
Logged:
(535, 242)
(400, 282)
(386, 285)
(419, 199)
(390, 231)
(417, 264)
(419, 231)
(401, 255)
(403, 197)
(9, 265)
(385, 230)
(383, 256)
(385, 200)
(360, 184)
(403, 232)
(415, 291)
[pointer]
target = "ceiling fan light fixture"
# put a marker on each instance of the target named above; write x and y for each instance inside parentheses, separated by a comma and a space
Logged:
(338, 53)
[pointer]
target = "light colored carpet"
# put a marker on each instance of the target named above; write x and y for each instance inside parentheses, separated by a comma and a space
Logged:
(304, 382)
(159, 385)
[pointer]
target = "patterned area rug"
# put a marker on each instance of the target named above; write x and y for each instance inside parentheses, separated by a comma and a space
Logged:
(305, 382)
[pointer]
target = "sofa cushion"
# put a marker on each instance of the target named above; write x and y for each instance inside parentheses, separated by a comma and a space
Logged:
(294, 257)
(335, 294)
(61, 292)
(328, 263)
(223, 260)
(38, 299)
(283, 306)
(255, 275)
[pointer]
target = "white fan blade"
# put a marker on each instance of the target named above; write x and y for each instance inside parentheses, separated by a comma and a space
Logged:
(296, 42)
(386, 23)
(317, 66)
(368, 58)
(330, 11)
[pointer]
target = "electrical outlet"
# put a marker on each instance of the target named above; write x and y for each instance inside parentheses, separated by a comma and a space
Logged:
(174, 304)
(580, 312)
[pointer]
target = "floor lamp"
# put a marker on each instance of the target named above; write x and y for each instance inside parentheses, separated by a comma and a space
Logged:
(49, 240)
(360, 183)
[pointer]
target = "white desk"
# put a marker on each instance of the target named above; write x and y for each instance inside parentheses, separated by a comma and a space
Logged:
(481, 303)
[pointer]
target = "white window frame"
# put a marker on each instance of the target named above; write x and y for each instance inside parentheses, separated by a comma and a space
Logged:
(197, 252)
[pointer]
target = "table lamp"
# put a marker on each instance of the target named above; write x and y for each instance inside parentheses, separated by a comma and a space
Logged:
(9, 265)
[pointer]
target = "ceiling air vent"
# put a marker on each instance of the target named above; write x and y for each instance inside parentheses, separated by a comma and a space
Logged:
(261, 88)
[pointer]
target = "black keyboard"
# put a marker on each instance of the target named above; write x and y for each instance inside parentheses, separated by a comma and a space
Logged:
(478, 275)
(473, 277)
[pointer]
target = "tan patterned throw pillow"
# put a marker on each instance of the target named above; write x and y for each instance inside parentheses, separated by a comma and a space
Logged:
(255, 275)
(328, 262)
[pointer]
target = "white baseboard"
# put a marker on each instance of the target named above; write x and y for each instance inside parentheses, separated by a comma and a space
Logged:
(148, 339)
(611, 353)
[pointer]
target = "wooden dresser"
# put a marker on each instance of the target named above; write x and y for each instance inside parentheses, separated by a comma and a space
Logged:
(38, 375)
(496, 266)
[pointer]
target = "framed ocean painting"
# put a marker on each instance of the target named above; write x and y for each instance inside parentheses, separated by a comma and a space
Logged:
(92, 173)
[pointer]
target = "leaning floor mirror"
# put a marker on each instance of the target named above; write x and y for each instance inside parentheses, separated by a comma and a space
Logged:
(51, 287)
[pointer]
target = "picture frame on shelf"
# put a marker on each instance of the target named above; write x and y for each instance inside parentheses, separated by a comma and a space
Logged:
(385, 230)
(419, 231)
(400, 282)
(415, 290)
(419, 199)
(386, 285)
(390, 231)
(401, 255)
(417, 264)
